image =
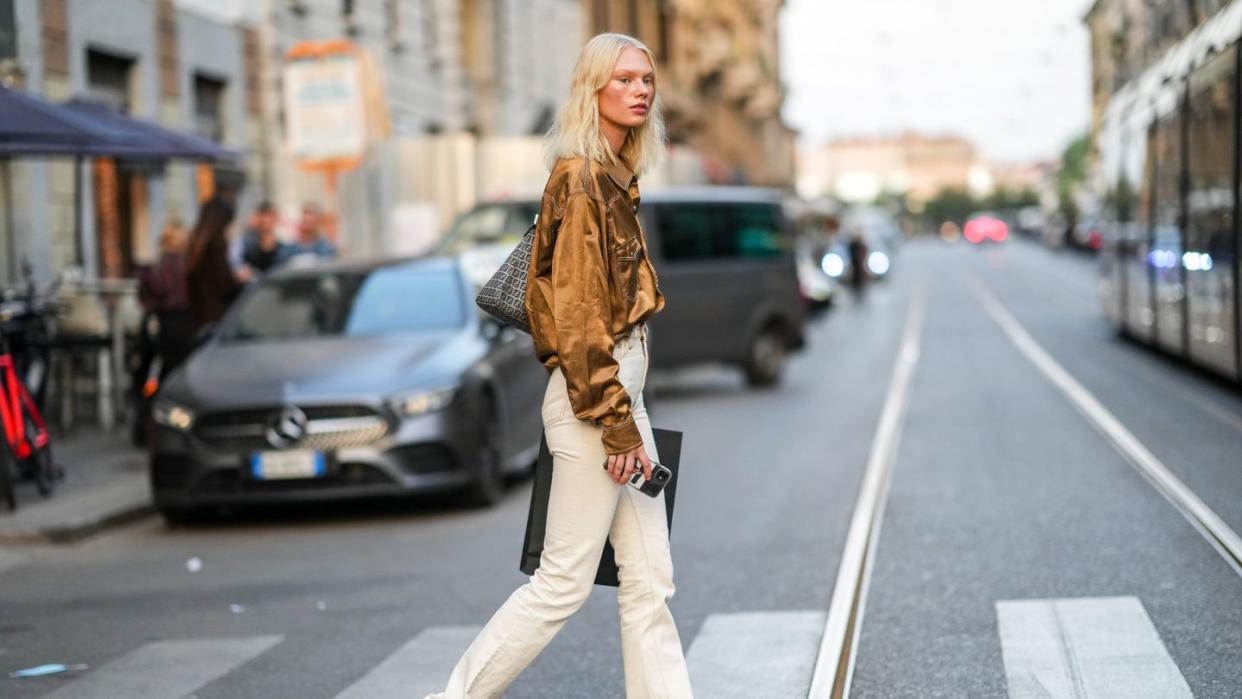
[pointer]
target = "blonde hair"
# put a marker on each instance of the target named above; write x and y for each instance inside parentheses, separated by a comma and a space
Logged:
(576, 131)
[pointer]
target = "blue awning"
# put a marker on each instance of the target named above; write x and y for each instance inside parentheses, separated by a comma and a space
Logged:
(31, 126)
(158, 140)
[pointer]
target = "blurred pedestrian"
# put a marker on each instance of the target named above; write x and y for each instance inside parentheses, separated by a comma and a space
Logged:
(591, 290)
(263, 249)
(312, 235)
(211, 282)
(162, 289)
(859, 274)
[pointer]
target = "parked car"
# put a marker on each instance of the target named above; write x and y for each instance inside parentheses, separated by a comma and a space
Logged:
(726, 265)
(500, 222)
(344, 380)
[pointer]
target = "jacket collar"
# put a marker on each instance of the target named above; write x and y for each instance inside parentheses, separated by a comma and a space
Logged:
(620, 173)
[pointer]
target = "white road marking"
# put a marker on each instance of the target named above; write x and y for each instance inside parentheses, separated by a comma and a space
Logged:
(1206, 521)
(1089, 648)
(835, 663)
(165, 669)
(755, 654)
(416, 669)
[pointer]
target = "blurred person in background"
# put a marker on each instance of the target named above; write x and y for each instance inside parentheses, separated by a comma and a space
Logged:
(162, 289)
(262, 249)
(591, 290)
(312, 234)
(858, 263)
(212, 283)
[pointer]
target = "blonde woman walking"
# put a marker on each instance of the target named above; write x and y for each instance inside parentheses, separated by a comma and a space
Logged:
(591, 288)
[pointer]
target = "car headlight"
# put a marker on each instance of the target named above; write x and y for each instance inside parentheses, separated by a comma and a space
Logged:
(170, 414)
(877, 262)
(833, 265)
(422, 402)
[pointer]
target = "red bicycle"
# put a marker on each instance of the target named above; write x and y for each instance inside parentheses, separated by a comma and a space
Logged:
(27, 452)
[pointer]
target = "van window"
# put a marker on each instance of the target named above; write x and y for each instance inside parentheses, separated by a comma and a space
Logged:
(710, 230)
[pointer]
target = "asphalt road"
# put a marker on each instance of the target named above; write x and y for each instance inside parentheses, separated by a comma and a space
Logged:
(1001, 491)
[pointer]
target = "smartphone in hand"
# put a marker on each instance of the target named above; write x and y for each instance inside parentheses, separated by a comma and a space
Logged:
(660, 476)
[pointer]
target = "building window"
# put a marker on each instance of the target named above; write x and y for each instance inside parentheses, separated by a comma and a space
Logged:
(392, 24)
(209, 108)
(350, 19)
(8, 31)
(109, 79)
(431, 35)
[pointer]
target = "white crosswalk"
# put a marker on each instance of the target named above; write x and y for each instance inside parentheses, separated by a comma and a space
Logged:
(755, 654)
(1086, 648)
(166, 668)
(768, 654)
(418, 668)
(1076, 648)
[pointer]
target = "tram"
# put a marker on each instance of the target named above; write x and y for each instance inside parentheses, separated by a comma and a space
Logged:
(1167, 183)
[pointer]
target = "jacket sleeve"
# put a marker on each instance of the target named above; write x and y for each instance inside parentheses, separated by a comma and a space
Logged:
(581, 315)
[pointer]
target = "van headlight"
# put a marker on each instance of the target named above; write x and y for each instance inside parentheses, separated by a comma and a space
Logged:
(170, 414)
(877, 262)
(422, 402)
(833, 265)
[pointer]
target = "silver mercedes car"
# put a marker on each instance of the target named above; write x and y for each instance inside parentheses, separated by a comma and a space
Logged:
(348, 380)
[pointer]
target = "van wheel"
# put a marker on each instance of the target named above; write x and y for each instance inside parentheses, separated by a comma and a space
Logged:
(767, 357)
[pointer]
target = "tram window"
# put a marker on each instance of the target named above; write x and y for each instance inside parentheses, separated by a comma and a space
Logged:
(1166, 148)
(1209, 260)
(1210, 166)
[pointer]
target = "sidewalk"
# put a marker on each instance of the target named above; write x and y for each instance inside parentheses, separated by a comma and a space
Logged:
(105, 484)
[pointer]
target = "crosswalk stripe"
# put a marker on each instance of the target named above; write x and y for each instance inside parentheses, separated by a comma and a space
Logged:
(164, 669)
(418, 668)
(1086, 648)
(755, 654)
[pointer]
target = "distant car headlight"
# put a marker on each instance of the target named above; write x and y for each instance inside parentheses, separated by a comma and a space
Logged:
(833, 265)
(170, 414)
(422, 402)
(877, 262)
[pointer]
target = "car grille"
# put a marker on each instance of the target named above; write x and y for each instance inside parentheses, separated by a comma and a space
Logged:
(328, 427)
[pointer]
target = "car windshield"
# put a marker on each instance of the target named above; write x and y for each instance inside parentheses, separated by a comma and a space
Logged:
(384, 301)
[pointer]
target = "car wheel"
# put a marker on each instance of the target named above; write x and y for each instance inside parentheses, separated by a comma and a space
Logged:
(767, 357)
(489, 485)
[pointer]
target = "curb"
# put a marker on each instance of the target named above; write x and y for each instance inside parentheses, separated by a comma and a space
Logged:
(77, 518)
(70, 533)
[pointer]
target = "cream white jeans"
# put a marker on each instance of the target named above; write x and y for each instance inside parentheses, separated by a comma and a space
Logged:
(585, 508)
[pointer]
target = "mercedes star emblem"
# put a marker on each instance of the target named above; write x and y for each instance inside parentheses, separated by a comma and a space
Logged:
(287, 427)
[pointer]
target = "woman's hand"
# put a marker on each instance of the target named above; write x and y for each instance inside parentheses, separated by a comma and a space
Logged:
(621, 467)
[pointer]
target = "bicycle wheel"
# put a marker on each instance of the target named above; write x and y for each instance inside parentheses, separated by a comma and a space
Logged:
(41, 469)
(7, 477)
(39, 464)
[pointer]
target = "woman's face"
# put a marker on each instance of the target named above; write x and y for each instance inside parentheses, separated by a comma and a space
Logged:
(626, 98)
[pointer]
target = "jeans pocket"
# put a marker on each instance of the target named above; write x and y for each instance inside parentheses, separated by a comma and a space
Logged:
(556, 406)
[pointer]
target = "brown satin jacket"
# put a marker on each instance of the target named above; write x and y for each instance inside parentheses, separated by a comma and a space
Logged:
(590, 282)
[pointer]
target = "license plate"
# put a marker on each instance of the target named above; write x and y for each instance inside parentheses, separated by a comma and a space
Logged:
(275, 465)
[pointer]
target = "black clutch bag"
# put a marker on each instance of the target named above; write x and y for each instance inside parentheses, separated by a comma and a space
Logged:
(668, 445)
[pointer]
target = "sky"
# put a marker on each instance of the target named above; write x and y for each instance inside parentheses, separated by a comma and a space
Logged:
(1012, 76)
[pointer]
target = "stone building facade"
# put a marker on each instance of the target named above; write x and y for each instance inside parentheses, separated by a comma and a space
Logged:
(722, 86)
(861, 169)
(151, 59)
